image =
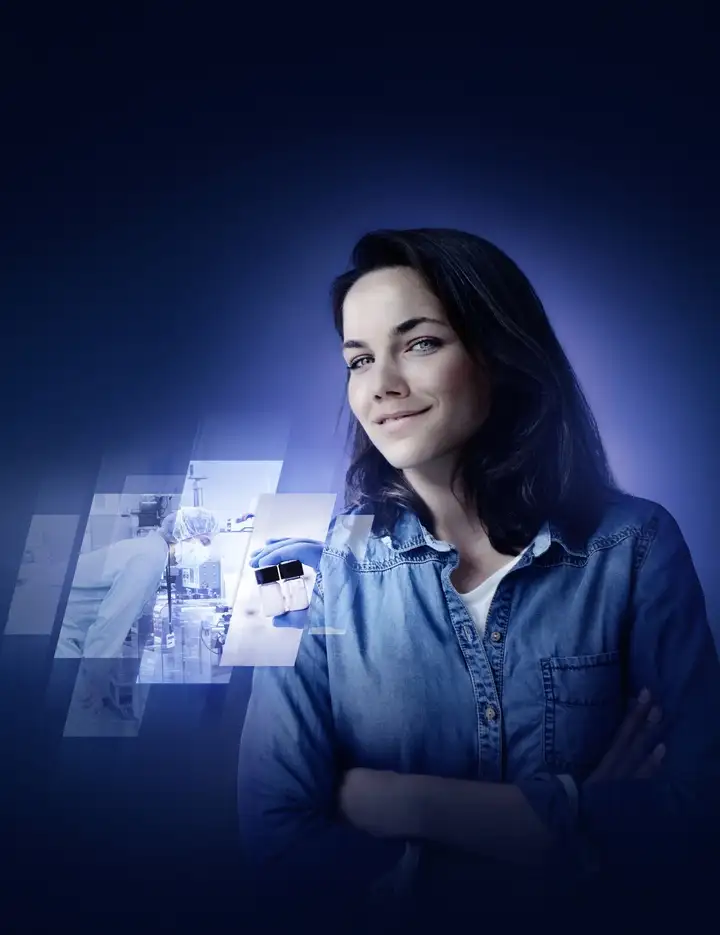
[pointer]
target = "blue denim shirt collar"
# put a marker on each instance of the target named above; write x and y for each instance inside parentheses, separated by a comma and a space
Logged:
(409, 533)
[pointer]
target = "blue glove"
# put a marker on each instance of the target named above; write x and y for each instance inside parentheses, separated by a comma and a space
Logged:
(307, 551)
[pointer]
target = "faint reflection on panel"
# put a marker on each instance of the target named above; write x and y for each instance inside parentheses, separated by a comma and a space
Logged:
(42, 573)
(252, 639)
(350, 532)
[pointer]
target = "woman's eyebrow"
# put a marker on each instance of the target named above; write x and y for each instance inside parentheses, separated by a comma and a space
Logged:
(403, 328)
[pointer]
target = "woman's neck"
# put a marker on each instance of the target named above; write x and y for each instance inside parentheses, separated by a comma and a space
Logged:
(456, 521)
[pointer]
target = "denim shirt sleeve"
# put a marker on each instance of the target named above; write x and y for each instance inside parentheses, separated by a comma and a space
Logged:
(634, 823)
(289, 776)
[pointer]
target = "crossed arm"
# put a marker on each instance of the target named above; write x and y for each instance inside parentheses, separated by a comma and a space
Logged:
(490, 819)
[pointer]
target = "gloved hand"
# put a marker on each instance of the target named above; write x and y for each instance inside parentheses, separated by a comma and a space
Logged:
(307, 551)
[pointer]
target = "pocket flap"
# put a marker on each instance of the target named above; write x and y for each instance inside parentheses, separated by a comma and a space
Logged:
(583, 680)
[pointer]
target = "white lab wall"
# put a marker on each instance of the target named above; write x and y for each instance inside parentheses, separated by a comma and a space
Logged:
(232, 488)
(110, 520)
(102, 531)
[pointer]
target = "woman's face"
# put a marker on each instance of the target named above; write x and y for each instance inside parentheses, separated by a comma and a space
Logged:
(405, 360)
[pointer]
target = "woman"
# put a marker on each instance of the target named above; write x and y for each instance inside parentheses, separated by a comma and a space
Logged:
(462, 678)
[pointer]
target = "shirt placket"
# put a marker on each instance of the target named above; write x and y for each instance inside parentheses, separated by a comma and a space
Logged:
(493, 644)
(482, 664)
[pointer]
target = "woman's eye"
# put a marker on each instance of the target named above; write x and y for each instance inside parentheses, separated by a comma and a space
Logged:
(354, 364)
(430, 344)
(422, 345)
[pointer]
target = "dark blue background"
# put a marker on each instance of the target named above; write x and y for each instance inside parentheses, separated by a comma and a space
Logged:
(177, 195)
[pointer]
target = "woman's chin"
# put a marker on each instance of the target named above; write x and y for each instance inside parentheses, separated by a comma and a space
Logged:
(434, 468)
(408, 460)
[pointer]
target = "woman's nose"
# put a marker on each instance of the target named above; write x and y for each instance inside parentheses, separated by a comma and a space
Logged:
(388, 380)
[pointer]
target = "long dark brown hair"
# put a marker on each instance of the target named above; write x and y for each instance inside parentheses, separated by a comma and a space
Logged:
(539, 455)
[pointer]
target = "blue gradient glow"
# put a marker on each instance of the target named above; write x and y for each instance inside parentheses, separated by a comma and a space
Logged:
(173, 241)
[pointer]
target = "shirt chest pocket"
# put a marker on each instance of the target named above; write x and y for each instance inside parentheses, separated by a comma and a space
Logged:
(583, 710)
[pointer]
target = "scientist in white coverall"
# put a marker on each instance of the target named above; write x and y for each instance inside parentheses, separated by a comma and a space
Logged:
(112, 585)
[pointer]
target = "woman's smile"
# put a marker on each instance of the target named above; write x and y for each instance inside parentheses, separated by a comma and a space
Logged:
(396, 423)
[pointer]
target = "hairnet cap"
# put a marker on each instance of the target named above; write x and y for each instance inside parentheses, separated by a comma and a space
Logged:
(193, 521)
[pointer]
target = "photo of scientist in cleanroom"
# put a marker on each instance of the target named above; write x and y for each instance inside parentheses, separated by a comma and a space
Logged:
(112, 585)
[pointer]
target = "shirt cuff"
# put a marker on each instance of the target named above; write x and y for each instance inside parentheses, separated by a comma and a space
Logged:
(571, 790)
(398, 882)
(556, 801)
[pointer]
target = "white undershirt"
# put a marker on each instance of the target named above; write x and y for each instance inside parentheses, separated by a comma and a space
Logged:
(479, 599)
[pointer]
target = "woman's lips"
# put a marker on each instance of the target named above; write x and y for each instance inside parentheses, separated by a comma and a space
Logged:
(391, 425)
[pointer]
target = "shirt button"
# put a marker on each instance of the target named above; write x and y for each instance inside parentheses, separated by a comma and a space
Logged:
(495, 636)
(490, 713)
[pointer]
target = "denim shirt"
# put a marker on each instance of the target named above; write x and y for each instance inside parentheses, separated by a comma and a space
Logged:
(391, 674)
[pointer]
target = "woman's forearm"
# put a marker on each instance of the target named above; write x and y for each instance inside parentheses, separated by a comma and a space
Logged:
(489, 819)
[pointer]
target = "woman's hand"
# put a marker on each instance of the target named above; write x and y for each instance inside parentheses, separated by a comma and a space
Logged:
(307, 551)
(634, 753)
(377, 801)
